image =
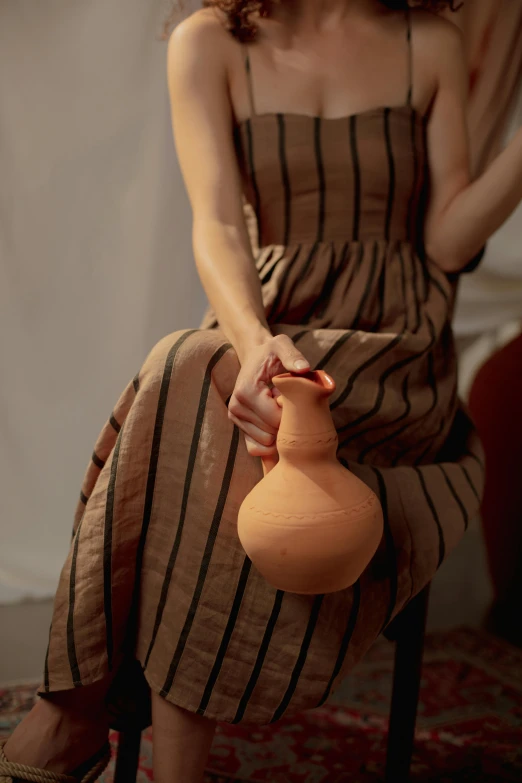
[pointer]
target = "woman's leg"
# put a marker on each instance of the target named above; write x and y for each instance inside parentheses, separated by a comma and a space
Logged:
(62, 730)
(181, 743)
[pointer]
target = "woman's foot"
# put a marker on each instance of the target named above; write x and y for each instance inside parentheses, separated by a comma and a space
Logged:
(62, 732)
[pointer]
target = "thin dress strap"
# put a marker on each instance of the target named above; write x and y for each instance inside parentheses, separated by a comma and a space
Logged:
(410, 57)
(249, 79)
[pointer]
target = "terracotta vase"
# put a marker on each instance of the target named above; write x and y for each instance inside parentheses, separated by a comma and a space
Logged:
(309, 526)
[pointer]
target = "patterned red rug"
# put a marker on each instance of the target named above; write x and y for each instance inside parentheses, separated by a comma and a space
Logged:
(469, 725)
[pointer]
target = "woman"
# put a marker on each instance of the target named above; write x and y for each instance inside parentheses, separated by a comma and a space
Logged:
(335, 120)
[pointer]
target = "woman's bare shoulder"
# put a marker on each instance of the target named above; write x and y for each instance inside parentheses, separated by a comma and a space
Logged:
(206, 30)
(437, 33)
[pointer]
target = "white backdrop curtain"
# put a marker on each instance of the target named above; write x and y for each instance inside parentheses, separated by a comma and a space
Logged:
(95, 252)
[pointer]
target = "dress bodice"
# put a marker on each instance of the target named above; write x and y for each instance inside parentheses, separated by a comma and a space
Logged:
(356, 178)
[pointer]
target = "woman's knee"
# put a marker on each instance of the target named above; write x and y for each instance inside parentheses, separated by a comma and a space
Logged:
(194, 351)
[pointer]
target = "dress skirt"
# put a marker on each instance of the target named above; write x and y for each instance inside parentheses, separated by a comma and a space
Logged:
(156, 587)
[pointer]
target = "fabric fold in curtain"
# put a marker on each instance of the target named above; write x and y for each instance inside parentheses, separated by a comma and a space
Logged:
(491, 297)
(95, 251)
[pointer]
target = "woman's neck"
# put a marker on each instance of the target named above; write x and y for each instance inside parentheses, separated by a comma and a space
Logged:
(314, 16)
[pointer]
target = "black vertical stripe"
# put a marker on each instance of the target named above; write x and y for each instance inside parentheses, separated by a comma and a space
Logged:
(196, 434)
(320, 303)
(415, 292)
(356, 207)
(410, 233)
(320, 177)
(267, 258)
(295, 339)
(439, 288)
(475, 458)
(114, 424)
(390, 547)
(381, 293)
(46, 663)
(355, 266)
(151, 478)
(432, 382)
(301, 658)
(391, 169)
(361, 368)
(136, 382)
(205, 562)
(391, 435)
(419, 211)
(227, 635)
(430, 440)
(360, 255)
(83, 498)
(350, 627)
(410, 57)
(261, 655)
(107, 551)
(433, 509)
(426, 278)
(282, 283)
(253, 179)
(298, 281)
(334, 348)
(97, 461)
(470, 482)
(382, 388)
(71, 644)
(284, 176)
(368, 287)
(268, 271)
(458, 501)
(403, 291)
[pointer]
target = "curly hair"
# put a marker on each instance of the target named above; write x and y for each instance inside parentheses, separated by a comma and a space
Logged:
(242, 27)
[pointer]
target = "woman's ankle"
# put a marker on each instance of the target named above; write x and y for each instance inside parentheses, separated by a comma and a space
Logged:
(58, 734)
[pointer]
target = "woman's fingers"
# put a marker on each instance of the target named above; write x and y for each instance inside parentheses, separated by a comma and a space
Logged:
(255, 449)
(246, 413)
(260, 404)
(290, 357)
(261, 437)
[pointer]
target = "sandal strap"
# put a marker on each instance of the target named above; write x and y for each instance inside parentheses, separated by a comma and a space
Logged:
(11, 771)
(95, 771)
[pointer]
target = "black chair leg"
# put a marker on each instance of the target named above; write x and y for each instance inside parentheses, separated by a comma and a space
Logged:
(127, 756)
(408, 632)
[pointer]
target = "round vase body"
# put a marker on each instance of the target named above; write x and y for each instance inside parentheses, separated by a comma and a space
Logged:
(309, 526)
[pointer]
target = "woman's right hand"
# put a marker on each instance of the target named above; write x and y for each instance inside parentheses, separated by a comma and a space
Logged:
(253, 405)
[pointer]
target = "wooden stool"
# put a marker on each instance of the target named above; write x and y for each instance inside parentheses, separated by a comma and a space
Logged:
(407, 631)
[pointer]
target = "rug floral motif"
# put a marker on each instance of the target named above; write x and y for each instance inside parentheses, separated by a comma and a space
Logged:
(469, 725)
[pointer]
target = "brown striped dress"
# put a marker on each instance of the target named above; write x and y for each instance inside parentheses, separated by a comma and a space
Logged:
(156, 587)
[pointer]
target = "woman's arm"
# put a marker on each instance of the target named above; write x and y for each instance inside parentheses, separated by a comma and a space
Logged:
(202, 125)
(462, 214)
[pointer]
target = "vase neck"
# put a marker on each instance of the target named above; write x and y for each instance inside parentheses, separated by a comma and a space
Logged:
(309, 415)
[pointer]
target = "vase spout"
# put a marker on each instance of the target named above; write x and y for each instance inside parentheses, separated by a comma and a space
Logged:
(306, 410)
(314, 384)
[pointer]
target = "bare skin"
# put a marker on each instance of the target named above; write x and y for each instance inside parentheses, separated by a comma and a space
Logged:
(62, 732)
(181, 742)
(318, 57)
